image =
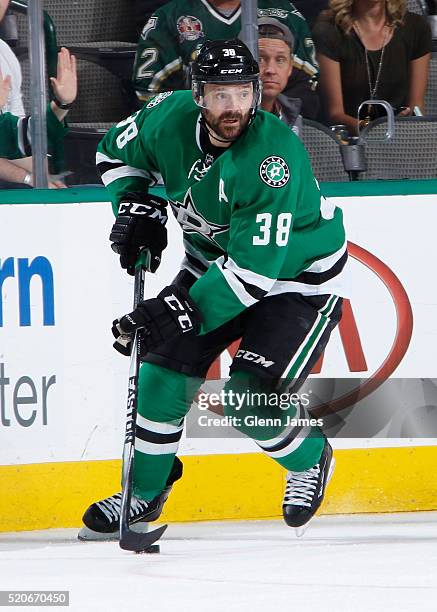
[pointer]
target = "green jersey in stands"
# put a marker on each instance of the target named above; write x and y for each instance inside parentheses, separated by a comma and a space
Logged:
(16, 142)
(253, 210)
(171, 38)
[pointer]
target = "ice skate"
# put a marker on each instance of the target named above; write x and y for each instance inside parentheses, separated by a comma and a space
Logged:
(304, 491)
(102, 519)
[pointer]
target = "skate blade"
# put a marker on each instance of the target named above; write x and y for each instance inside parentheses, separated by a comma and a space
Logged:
(89, 535)
(331, 469)
(299, 531)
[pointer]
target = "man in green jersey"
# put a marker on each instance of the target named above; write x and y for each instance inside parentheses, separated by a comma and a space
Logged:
(171, 39)
(15, 142)
(265, 260)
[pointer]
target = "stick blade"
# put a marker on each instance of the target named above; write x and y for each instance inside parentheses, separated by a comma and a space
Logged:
(140, 542)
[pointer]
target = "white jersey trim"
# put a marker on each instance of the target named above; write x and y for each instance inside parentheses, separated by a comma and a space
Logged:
(21, 137)
(110, 176)
(237, 287)
(160, 76)
(102, 158)
(228, 20)
(326, 263)
(198, 131)
(186, 265)
(338, 285)
(263, 282)
(304, 65)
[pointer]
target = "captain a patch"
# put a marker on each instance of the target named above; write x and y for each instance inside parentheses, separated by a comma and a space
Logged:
(274, 171)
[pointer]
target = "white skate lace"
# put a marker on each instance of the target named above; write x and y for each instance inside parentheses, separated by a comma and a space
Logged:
(301, 486)
(111, 507)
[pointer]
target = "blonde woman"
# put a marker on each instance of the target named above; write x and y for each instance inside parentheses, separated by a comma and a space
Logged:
(371, 49)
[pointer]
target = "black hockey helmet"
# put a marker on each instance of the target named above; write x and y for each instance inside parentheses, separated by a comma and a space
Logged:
(225, 61)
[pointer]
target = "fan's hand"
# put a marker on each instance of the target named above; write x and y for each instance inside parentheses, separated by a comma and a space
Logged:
(65, 83)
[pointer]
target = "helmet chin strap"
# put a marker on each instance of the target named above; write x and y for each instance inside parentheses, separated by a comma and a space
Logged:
(204, 125)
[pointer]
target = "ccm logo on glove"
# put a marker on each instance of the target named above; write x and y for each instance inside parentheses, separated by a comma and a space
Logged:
(184, 319)
(135, 208)
(158, 320)
(139, 226)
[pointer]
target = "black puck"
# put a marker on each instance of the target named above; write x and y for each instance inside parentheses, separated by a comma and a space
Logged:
(153, 549)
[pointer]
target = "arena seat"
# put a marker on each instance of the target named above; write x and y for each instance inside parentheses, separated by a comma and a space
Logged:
(431, 92)
(324, 152)
(417, 6)
(102, 35)
(96, 21)
(101, 95)
(80, 152)
(99, 31)
(410, 154)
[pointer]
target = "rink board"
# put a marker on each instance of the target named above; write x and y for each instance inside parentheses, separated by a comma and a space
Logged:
(62, 392)
(218, 487)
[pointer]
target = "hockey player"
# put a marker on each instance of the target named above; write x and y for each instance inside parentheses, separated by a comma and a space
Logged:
(173, 35)
(265, 261)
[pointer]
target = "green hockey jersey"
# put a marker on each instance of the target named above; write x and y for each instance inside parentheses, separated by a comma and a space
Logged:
(15, 142)
(253, 219)
(172, 37)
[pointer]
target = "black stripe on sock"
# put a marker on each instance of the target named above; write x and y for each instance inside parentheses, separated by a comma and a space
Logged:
(156, 438)
(292, 435)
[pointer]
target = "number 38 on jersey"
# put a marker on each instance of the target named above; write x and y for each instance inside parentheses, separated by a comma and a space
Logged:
(272, 228)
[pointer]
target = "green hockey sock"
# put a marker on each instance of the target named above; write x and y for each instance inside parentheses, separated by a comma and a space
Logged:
(164, 398)
(269, 418)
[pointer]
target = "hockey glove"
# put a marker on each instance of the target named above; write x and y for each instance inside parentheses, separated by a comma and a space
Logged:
(140, 224)
(160, 319)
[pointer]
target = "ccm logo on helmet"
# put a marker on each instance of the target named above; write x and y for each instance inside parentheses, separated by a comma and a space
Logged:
(231, 71)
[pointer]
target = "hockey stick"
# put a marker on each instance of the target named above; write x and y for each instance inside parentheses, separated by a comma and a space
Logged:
(132, 540)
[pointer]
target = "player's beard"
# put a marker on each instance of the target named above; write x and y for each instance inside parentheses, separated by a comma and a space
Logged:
(227, 131)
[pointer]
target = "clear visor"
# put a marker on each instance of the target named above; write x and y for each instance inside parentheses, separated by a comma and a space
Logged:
(221, 97)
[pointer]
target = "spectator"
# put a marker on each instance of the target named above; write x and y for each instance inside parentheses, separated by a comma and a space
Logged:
(371, 49)
(276, 44)
(15, 142)
(144, 9)
(172, 37)
(9, 65)
(310, 9)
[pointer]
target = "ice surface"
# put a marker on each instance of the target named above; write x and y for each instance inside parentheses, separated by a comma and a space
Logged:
(360, 563)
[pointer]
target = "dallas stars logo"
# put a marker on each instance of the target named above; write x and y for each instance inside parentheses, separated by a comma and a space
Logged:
(274, 171)
(191, 221)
